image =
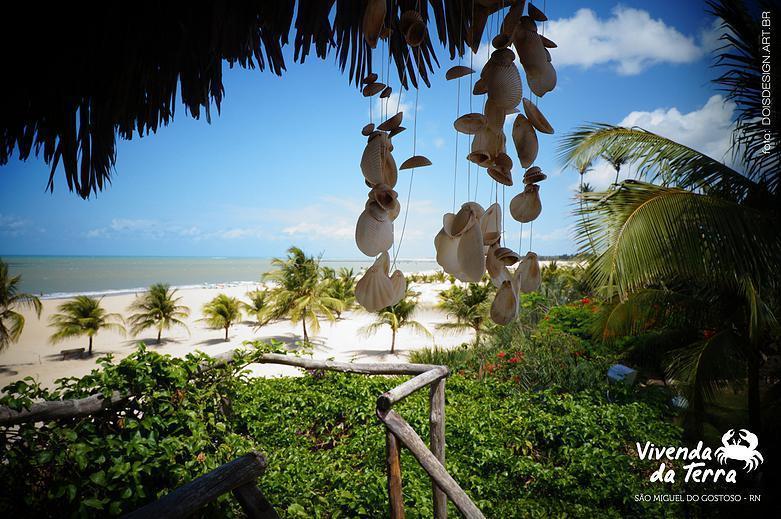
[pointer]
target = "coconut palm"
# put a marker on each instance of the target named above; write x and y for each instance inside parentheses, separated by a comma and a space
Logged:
(157, 308)
(397, 317)
(341, 286)
(11, 321)
(707, 237)
(83, 315)
(469, 306)
(300, 291)
(258, 306)
(222, 312)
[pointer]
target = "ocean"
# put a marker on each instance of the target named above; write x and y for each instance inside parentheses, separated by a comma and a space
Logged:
(65, 276)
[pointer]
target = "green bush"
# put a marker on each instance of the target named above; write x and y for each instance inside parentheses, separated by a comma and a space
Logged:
(518, 454)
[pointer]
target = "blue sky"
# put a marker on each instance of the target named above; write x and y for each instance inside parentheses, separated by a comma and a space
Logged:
(279, 166)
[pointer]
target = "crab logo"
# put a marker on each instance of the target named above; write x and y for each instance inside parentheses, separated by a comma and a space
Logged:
(739, 452)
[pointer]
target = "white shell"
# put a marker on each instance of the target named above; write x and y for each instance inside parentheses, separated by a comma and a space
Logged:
(497, 270)
(504, 308)
(470, 124)
(542, 80)
(491, 222)
(373, 236)
(528, 276)
(459, 244)
(526, 206)
(471, 258)
(536, 118)
(373, 160)
(375, 290)
(525, 140)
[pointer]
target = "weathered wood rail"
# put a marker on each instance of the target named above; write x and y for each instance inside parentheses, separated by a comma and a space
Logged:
(398, 434)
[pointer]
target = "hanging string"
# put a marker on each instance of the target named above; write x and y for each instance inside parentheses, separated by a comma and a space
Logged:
(455, 159)
(531, 234)
(503, 218)
(520, 239)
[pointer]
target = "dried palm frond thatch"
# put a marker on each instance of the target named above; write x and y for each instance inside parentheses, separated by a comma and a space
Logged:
(115, 68)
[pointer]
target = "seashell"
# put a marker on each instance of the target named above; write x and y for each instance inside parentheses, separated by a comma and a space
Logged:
(447, 253)
(457, 224)
(507, 256)
(371, 235)
(397, 130)
(525, 140)
(548, 56)
(386, 92)
(375, 290)
(502, 56)
(503, 176)
(503, 85)
(385, 33)
(528, 276)
(416, 161)
(531, 52)
(373, 20)
(547, 43)
(491, 221)
(527, 23)
(503, 161)
(457, 72)
(526, 206)
(372, 89)
(412, 27)
(542, 80)
(371, 78)
(536, 14)
(471, 259)
(390, 175)
(534, 175)
(470, 124)
(394, 210)
(497, 270)
(535, 117)
(384, 196)
(491, 238)
(504, 308)
(512, 18)
(495, 115)
(367, 130)
(479, 88)
(484, 147)
(376, 210)
(501, 41)
(374, 158)
(392, 122)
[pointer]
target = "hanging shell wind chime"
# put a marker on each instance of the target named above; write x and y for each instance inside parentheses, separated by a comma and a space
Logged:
(469, 242)
(378, 288)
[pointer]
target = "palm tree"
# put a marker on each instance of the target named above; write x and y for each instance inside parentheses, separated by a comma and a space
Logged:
(258, 306)
(469, 306)
(708, 237)
(341, 286)
(157, 308)
(222, 312)
(11, 321)
(300, 292)
(83, 315)
(397, 317)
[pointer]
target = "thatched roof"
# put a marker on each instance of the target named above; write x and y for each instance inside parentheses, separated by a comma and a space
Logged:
(115, 67)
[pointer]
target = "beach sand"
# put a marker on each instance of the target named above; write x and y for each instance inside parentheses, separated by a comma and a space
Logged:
(34, 356)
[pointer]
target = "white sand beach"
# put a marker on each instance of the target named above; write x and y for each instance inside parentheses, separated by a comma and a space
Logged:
(34, 356)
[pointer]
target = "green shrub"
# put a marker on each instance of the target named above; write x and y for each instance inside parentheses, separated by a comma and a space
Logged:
(518, 454)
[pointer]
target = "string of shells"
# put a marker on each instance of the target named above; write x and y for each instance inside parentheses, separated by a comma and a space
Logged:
(378, 288)
(469, 243)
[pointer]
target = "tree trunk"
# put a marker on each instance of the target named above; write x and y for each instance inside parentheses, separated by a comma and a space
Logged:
(159, 333)
(754, 405)
(226, 333)
(306, 337)
(477, 335)
(393, 340)
(90, 345)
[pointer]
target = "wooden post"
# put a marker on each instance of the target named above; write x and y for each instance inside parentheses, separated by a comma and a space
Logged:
(386, 400)
(395, 496)
(410, 439)
(437, 431)
(254, 503)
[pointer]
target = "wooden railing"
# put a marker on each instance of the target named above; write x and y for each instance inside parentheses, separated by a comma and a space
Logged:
(398, 433)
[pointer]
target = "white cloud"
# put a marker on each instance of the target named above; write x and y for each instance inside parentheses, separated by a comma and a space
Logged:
(630, 40)
(13, 225)
(142, 228)
(707, 130)
(393, 104)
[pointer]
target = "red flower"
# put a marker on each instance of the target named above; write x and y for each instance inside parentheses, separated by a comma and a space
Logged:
(708, 333)
(501, 354)
(585, 300)
(514, 360)
(516, 379)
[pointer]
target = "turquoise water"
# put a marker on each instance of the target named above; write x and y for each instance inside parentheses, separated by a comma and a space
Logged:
(63, 276)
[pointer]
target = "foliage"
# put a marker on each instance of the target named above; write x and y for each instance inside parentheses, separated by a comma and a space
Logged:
(469, 306)
(222, 312)
(258, 306)
(11, 321)
(532, 455)
(396, 317)
(575, 318)
(83, 315)
(340, 286)
(157, 308)
(300, 292)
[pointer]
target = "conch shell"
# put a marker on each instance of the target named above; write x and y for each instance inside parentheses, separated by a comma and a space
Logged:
(526, 206)
(373, 20)
(525, 140)
(528, 276)
(375, 290)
